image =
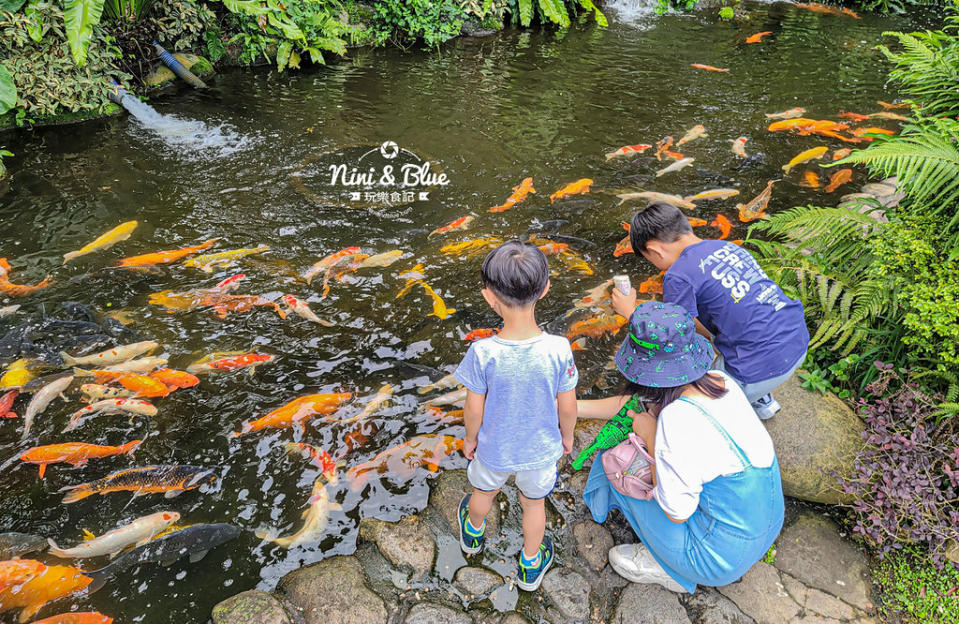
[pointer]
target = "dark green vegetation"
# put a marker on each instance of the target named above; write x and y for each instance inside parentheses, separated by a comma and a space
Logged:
(920, 591)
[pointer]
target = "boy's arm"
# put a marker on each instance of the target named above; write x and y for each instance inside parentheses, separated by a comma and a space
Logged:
(566, 406)
(473, 417)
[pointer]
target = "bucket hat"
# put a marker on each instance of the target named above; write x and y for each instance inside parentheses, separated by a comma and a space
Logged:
(663, 349)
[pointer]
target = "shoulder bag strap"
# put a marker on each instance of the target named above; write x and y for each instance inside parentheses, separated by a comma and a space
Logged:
(732, 444)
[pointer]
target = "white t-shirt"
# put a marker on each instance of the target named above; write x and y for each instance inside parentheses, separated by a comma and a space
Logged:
(691, 452)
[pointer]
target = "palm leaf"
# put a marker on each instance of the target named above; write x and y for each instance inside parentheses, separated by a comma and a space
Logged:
(555, 11)
(79, 17)
(525, 12)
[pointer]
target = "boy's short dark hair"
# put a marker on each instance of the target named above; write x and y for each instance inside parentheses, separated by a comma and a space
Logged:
(517, 272)
(660, 221)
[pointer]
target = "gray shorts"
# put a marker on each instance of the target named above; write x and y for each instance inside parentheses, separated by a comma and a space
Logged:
(532, 483)
(759, 389)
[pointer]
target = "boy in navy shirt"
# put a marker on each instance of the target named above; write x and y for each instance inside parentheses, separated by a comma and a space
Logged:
(760, 333)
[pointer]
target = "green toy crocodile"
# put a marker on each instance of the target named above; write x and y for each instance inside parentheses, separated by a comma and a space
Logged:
(616, 430)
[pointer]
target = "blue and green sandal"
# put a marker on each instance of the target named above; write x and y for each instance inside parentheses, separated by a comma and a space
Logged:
(529, 578)
(470, 541)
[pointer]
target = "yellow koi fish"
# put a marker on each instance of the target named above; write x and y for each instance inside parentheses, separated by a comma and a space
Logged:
(207, 262)
(104, 241)
(469, 247)
(439, 306)
(720, 193)
(384, 259)
(809, 154)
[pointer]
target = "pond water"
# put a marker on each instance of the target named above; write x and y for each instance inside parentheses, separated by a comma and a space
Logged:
(486, 113)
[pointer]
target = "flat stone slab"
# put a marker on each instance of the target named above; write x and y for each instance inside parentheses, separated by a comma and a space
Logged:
(407, 543)
(649, 604)
(333, 591)
(593, 542)
(762, 596)
(568, 593)
(708, 606)
(251, 606)
(476, 581)
(429, 613)
(445, 496)
(812, 550)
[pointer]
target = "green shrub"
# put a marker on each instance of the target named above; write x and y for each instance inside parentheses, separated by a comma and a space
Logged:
(183, 25)
(405, 21)
(913, 589)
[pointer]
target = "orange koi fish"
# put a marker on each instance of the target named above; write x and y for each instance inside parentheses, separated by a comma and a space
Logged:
(758, 36)
(755, 209)
(80, 617)
(140, 384)
(230, 363)
(51, 584)
(792, 113)
(174, 378)
(329, 261)
(597, 326)
(520, 192)
(674, 155)
(889, 116)
(628, 150)
(709, 68)
(17, 290)
(479, 334)
(450, 416)
(724, 225)
(653, 285)
(595, 295)
(849, 13)
(623, 247)
(794, 123)
(838, 179)
(74, 453)
(822, 126)
(223, 304)
(810, 180)
(820, 8)
(739, 147)
(662, 145)
(18, 571)
(862, 132)
(579, 187)
(578, 345)
(552, 248)
(853, 116)
(841, 153)
(320, 457)
(295, 412)
(169, 480)
(164, 257)
(457, 224)
(889, 106)
(696, 221)
(423, 451)
(6, 403)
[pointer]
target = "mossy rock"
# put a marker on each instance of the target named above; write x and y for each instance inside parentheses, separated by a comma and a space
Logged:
(9, 120)
(199, 65)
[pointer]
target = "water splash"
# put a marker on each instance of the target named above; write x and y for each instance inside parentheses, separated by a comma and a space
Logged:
(631, 10)
(188, 135)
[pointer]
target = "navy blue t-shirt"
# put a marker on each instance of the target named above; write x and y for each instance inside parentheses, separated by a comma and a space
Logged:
(760, 332)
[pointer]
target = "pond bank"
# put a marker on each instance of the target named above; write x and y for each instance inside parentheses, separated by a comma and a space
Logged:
(412, 570)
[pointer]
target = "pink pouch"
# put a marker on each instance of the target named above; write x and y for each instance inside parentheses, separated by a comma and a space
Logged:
(628, 467)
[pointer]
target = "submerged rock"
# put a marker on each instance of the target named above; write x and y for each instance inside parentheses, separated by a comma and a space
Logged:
(445, 496)
(476, 581)
(251, 606)
(814, 432)
(333, 591)
(429, 613)
(407, 543)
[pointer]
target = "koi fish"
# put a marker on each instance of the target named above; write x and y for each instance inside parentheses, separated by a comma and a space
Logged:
(520, 192)
(675, 200)
(628, 150)
(792, 123)
(439, 306)
(223, 305)
(576, 263)
(6, 403)
(755, 209)
(853, 116)
(111, 543)
(141, 366)
(739, 147)
(709, 68)
(479, 334)
(758, 36)
(140, 384)
(18, 572)
(676, 166)
(423, 451)
(74, 453)
(320, 457)
(341, 267)
(578, 187)
(42, 399)
(810, 180)
(449, 381)
(820, 8)
(849, 13)
(96, 392)
(174, 378)
(595, 295)
(455, 225)
(694, 133)
(224, 362)
(112, 356)
(229, 284)
(469, 246)
(164, 257)
(53, 583)
(134, 407)
(823, 127)
(713, 194)
(171, 480)
(578, 345)
(381, 397)
(862, 132)
(724, 225)
(674, 155)
(452, 416)
(384, 259)
(551, 248)
(104, 241)
(17, 290)
(18, 374)
(792, 113)
(838, 179)
(208, 262)
(810, 154)
(889, 106)
(696, 221)
(841, 153)
(662, 145)
(302, 309)
(597, 326)
(315, 520)
(295, 412)
(653, 285)
(456, 397)
(78, 617)
(623, 247)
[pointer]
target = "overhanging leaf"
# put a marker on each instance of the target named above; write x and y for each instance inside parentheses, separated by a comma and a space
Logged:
(8, 90)
(79, 17)
(11, 5)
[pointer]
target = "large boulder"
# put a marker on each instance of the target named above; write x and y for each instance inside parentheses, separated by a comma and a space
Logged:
(251, 606)
(445, 495)
(407, 543)
(568, 593)
(333, 591)
(814, 435)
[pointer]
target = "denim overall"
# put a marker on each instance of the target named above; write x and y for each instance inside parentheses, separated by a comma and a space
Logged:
(738, 519)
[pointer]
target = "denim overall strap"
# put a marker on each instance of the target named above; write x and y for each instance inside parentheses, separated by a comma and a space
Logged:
(732, 444)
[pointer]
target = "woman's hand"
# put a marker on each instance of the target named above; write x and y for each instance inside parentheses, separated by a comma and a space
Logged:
(624, 304)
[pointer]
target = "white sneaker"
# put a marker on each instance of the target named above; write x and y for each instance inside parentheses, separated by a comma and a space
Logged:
(635, 563)
(766, 406)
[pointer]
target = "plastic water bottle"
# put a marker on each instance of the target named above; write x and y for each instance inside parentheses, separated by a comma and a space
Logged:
(622, 283)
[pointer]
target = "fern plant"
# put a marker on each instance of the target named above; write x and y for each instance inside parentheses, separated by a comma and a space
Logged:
(927, 67)
(555, 11)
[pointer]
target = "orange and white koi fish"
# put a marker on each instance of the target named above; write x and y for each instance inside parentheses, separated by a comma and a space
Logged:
(662, 146)
(673, 155)
(223, 305)
(889, 106)
(826, 10)
(595, 295)
(321, 458)
(520, 192)
(74, 453)
(302, 309)
(713, 194)
(810, 154)
(551, 248)
(104, 241)
(141, 384)
(853, 116)
(423, 451)
(578, 187)
(758, 37)
(838, 179)
(52, 583)
(295, 412)
(329, 261)
(480, 334)
(17, 290)
(315, 520)
(756, 208)
(725, 226)
(453, 226)
(810, 180)
(138, 532)
(112, 356)
(739, 147)
(792, 113)
(628, 150)
(841, 153)
(134, 407)
(228, 362)
(653, 285)
(164, 257)
(452, 416)
(696, 132)
(174, 378)
(596, 326)
(170, 480)
(709, 68)
(651, 196)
